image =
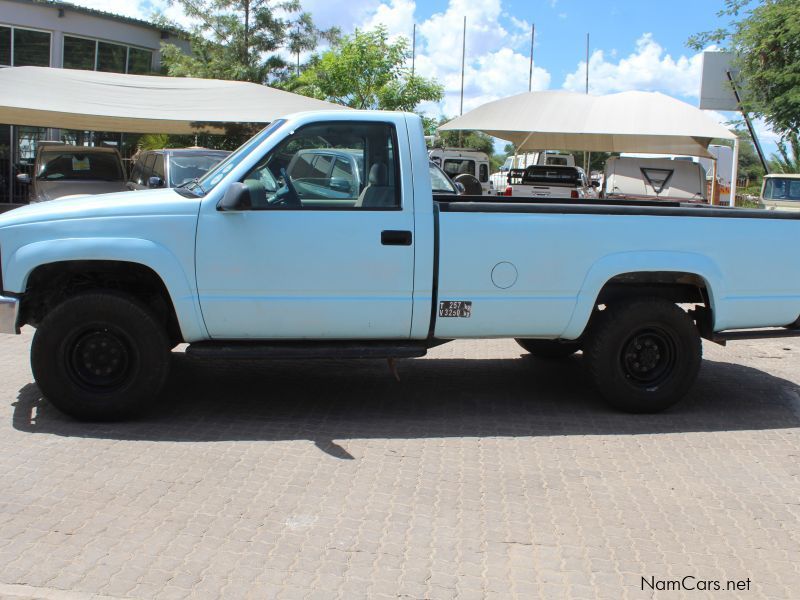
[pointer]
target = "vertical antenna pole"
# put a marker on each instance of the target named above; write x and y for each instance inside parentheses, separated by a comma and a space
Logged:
(587, 156)
(413, 48)
(530, 70)
(463, 60)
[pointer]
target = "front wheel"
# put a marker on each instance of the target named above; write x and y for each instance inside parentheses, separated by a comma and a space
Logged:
(644, 355)
(100, 356)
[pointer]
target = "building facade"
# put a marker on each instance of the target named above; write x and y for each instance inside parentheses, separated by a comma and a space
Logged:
(62, 35)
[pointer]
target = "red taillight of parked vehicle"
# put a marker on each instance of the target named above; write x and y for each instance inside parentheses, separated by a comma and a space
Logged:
(574, 194)
(507, 192)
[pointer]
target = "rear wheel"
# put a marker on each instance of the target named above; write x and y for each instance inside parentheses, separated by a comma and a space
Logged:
(549, 349)
(100, 356)
(644, 355)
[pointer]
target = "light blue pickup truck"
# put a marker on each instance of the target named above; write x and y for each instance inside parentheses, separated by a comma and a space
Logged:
(246, 263)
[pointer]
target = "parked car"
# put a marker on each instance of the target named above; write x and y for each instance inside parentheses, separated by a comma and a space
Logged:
(239, 265)
(780, 191)
(326, 173)
(172, 167)
(654, 179)
(550, 182)
(61, 170)
(463, 161)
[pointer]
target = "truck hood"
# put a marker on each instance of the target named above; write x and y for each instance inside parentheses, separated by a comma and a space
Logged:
(51, 190)
(121, 204)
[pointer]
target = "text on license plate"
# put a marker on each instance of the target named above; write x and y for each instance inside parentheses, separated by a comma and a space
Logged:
(455, 308)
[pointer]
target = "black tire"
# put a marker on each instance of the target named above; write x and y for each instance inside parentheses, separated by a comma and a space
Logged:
(100, 357)
(549, 349)
(643, 355)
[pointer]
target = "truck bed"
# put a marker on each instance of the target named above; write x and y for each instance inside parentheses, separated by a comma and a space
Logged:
(536, 267)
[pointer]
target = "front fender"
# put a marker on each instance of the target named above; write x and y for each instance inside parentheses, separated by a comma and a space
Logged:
(161, 260)
(620, 263)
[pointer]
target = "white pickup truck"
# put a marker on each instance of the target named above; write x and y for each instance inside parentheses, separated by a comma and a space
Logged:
(244, 263)
(550, 182)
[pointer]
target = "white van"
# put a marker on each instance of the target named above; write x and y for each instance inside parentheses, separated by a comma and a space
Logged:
(460, 161)
(780, 191)
(654, 178)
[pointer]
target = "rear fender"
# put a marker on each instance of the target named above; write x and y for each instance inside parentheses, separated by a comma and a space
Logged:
(629, 262)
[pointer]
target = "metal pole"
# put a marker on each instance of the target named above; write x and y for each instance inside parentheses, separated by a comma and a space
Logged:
(463, 59)
(750, 128)
(714, 182)
(587, 156)
(734, 171)
(530, 70)
(413, 48)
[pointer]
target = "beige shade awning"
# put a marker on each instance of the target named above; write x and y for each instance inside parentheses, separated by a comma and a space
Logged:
(623, 122)
(94, 101)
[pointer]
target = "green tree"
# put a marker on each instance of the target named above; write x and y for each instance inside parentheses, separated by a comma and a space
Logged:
(366, 71)
(787, 159)
(241, 39)
(765, 40)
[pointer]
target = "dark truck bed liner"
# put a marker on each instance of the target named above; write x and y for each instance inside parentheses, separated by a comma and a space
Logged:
(479, 204)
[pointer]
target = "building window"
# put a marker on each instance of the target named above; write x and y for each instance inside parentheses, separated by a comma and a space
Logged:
(94, 55)
(5, 46)
(111, 57)
(140, 62)
(79, 53)
(24, 47)
(31, 48)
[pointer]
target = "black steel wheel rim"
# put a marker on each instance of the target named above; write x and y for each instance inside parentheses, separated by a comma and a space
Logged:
(649, 357)
(100, 358)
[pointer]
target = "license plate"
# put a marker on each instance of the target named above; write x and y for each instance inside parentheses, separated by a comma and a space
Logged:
(455, 308)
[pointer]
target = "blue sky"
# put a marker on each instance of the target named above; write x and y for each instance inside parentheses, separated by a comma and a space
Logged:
(635, 44)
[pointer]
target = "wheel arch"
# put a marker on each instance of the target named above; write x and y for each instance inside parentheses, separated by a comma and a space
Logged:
(665, 274)
(107, 261)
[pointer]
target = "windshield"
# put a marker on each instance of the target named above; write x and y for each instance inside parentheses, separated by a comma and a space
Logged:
(79, 166)
(440, 183)
(781, 188)
(215, 175)
(186, 167)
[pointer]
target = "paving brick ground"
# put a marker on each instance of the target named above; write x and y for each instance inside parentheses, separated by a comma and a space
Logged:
(484, 473)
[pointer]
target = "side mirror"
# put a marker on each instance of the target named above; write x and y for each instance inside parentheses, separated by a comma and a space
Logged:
(237, 197)
(595, 184)
(460, 187)
(155, 182)
(23, 178)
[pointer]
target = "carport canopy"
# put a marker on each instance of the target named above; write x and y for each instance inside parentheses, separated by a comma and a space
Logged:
(95, 101)
(624, 122)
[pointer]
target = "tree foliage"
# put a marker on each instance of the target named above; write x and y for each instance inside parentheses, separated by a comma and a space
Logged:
(765, 40)
(241, 39)
(787, 159)
(366, 70)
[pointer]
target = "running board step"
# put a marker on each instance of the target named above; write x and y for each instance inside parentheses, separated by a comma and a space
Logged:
(287, 350)
(753, 334)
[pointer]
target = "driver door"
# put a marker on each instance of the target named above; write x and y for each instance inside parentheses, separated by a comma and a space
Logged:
(314, 258)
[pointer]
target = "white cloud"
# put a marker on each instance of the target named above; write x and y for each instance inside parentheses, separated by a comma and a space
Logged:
(648, 68)
(494, 68)
(397, 17)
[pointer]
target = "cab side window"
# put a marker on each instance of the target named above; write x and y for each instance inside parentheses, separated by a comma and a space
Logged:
(330, 166)
(483, 173)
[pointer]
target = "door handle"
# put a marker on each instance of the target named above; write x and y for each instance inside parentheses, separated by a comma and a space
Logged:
(393, 237)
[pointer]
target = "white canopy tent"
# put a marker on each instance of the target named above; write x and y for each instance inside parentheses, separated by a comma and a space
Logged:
(90, 100)
(624, 122)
